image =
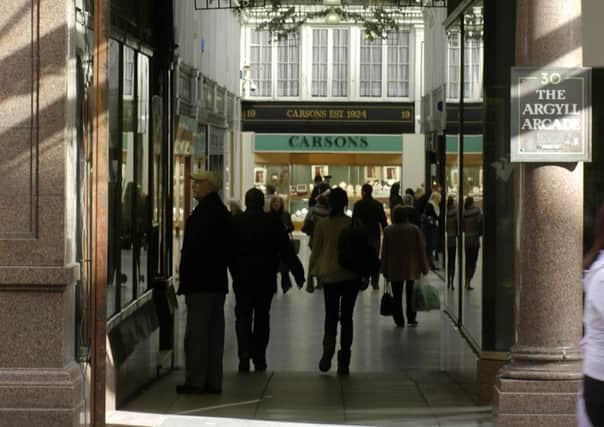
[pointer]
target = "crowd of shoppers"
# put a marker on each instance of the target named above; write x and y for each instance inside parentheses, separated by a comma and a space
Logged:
(256, 243)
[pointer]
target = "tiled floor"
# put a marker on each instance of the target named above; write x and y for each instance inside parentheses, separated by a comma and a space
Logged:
(395, 378)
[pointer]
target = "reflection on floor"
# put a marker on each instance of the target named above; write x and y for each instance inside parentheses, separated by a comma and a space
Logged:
(395, 378)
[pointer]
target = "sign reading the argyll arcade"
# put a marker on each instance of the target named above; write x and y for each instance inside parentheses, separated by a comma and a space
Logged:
(551, 114)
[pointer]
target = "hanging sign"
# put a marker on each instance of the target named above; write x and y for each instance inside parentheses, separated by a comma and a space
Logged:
(551, 114)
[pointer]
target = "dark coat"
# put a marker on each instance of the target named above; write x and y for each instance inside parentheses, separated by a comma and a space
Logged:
(431, 218)
(285, 219)
(452, 227)
(370, 213)
(403, 253)
(413, 215)
(472, 227)
(395, 200)
(259, 243)
(205, 250)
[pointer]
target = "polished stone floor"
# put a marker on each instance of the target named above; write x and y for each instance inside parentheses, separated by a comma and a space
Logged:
(395, 375)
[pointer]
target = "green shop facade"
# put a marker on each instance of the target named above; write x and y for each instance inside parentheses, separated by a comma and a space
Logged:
(350, 143)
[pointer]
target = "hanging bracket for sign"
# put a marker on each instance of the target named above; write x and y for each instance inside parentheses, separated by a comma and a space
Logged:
(551, 114)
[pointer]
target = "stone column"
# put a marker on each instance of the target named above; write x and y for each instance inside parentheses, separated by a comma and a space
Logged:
(40, 382)
(539, 386)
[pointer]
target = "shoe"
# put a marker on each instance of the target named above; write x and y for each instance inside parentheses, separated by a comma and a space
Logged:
(413, 324)
(344, 362)
(286, 288)
(325, 364)
(189, 389)
(214, 390)
(399, 325)
(329, 348)
(260, 366)
(310, 287)
(244, 365)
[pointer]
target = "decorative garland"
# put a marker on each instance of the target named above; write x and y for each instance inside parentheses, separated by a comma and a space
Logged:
(288, 20)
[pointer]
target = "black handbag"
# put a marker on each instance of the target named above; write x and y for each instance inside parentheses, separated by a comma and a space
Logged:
(295, 245)
(387, 301)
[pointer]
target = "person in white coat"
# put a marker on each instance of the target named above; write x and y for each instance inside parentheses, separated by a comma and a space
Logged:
(593, 317)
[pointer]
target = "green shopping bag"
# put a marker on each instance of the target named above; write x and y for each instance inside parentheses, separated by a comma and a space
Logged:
(425, 296)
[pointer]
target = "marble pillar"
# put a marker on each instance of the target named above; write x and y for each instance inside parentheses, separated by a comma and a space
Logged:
(538, 387)
(40, 382)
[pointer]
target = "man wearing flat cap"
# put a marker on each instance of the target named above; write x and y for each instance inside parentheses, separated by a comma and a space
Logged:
(204, 283)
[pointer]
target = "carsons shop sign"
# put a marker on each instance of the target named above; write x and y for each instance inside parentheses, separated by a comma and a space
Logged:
(334, 143)
(551, 114)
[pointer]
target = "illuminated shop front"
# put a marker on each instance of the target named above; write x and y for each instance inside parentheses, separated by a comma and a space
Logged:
(349, 142)
(290, 163)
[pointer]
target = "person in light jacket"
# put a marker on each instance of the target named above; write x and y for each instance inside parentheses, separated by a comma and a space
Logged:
(340, 286)
(403, 262)
(593, 317)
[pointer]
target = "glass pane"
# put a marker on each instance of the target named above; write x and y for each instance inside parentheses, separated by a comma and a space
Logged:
(319, 68)
(452, 255)
(473, 191)
(141, 238)
(128, 227)
(113, 237)
(216, 151)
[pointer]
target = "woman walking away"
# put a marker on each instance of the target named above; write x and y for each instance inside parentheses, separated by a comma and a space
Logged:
(340, 286)
(276, 208)
(395, 198)
(430, 223)
(403, 261)
(593, 350)
(319, 211)
(452, 233)
(472, 223)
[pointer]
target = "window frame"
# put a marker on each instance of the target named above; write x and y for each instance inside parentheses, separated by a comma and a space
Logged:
(411, 64)
(476, 87)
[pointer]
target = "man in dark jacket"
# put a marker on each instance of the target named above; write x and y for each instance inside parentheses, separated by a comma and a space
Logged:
(369, 213)
(410, 212)
(204, 282)
(259, 242)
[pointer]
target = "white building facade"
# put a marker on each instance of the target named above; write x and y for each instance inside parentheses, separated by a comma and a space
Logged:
(327, 80)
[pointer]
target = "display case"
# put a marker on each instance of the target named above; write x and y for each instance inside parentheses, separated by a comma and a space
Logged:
(295, 183)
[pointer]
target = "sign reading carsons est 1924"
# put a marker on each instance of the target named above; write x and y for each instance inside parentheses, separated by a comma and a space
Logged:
(551, 114)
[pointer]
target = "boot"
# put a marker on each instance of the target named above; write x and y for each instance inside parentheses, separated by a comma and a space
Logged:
(344, 362)
(329, 348)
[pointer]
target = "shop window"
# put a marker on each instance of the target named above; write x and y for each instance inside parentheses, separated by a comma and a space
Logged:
(135, 165)
(216, 151)
(340, 79)
(472, 67)
(113, 234)
(371, 67)
(319, 62)
(453, 72)
(287, 66)
(261, 63)
(398, 64)
(128, 190)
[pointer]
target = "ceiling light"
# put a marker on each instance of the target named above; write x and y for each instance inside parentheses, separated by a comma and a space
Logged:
(332, 17)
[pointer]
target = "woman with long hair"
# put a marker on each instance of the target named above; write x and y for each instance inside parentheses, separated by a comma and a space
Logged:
(340, 285)
(472, 227)
(276, 207)
(430, 224)
(593, 317)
